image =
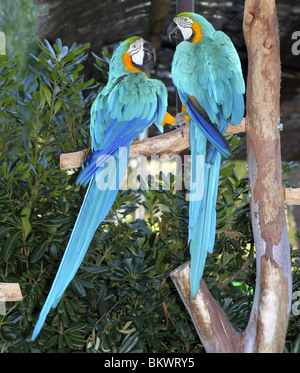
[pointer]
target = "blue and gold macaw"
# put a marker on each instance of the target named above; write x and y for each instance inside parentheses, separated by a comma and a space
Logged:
(124, 108)
(206, 70)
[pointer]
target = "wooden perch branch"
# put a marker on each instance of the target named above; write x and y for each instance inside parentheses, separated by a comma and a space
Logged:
(167, 144)
(10, 292)
(170, 144)
(291, 196)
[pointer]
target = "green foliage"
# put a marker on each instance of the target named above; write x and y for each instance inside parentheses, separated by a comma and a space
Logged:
(122, 298)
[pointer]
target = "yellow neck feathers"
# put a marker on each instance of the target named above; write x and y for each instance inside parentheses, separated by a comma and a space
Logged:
(197, 33)
(129, 66)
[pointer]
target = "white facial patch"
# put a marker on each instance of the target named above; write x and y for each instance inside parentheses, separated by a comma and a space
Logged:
(136, 52)
(185, 26)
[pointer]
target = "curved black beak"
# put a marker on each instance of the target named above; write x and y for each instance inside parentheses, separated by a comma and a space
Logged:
(174, 33)
(149, 53)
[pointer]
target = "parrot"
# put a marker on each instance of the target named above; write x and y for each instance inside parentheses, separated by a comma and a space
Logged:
(122, 110)
(206, 71)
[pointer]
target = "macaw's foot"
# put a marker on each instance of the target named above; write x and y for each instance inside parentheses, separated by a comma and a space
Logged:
(181, 119)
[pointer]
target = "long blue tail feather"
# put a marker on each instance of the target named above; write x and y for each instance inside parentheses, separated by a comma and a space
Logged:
(94, 209)
(202, 213)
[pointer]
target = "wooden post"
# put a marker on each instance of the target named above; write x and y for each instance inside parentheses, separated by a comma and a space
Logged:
(158, 14)
(268, 322)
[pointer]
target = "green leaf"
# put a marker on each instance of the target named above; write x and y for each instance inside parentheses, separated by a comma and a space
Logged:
(57, 106)
(5, 230)
(45, 93)
(129, 343)
(75, 328)
(50, 49)
(77, 286)
(4, 168)
(38, 253)
(51, 342)
(9, 246)
(25, 214)
(68, 341)
(63, 53)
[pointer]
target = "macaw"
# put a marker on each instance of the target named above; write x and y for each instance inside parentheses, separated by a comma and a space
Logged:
(206, 70)
(125, 107)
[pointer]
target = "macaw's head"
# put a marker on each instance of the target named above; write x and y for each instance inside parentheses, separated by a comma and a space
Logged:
(141, 51)
(190, 27)
(133, 54)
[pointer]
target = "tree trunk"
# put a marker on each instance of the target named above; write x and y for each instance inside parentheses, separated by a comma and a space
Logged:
(210, 321)
(270, 312)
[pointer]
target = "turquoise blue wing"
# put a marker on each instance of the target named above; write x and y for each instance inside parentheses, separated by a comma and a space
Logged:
(211, 72)
(124, 99)
(210, 130)
(93, 211)
(206, 164)
(230, 85)
(124, 108)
